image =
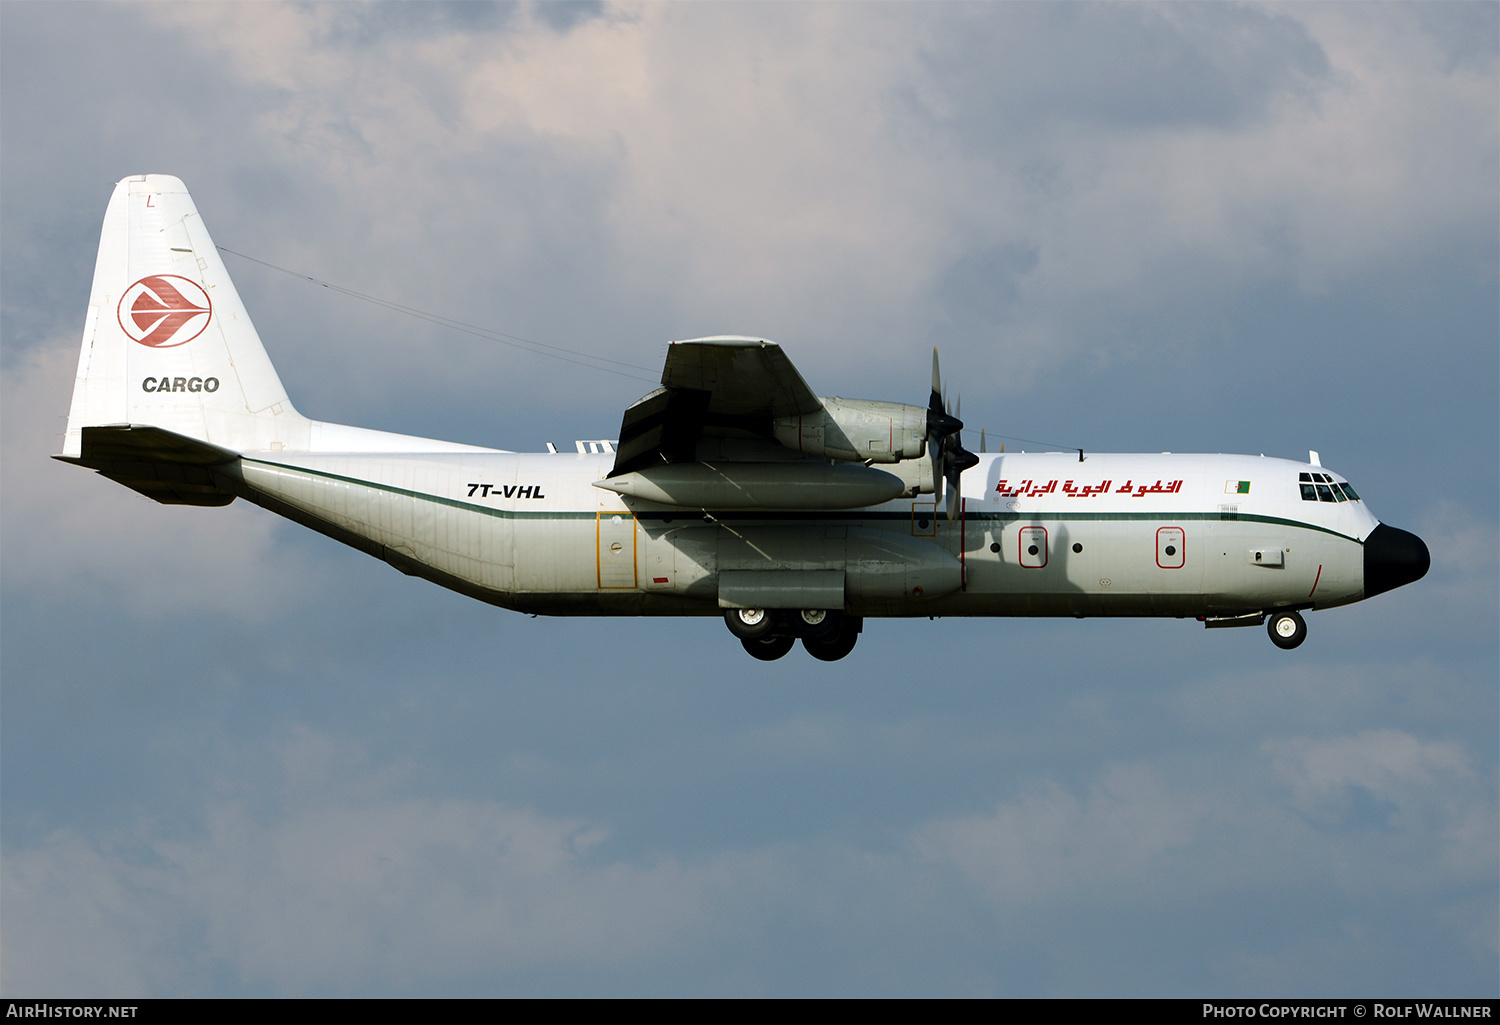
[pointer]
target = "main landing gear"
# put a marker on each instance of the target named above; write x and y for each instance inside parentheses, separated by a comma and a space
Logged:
(768, 634)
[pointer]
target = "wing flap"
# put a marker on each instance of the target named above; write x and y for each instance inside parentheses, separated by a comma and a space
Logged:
(663, 427)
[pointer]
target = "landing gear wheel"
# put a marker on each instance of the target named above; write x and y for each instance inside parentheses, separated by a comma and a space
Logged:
(1287, 629)
(750, 624)
(768, 649)
(817, 623)
(837, 644)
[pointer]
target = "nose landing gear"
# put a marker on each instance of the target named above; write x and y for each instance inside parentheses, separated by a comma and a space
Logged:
(1287, 629)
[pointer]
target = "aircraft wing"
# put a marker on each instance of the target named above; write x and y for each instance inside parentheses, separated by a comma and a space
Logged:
(743, 376)
(725, 385)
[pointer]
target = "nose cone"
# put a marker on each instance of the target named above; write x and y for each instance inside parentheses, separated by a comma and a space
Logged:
(1393, 557)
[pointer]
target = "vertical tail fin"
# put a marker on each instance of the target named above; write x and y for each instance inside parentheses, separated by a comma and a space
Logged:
(167, 342)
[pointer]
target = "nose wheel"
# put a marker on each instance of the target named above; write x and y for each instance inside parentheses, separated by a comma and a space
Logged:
(1287, 629)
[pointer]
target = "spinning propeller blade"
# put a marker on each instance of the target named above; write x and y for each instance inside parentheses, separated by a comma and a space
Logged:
(949, 457)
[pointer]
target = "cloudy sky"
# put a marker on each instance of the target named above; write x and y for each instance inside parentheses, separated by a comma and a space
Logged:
(239, 759)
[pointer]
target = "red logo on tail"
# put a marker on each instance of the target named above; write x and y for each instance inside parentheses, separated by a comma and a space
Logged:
(164, 310)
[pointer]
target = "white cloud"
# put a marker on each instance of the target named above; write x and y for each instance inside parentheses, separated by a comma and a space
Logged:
(424, 888)
(1141, 833)
(801, 168)
(86, 919)
(345, 884)
(1389, 764)
(1425, 795)
(1050, 843)
(326, 873)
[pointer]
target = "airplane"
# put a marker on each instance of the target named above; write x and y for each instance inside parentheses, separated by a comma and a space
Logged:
(733, 490)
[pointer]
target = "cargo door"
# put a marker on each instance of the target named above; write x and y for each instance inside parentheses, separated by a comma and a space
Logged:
(616, 547)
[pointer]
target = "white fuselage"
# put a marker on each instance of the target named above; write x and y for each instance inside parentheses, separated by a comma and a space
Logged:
(1040, 534)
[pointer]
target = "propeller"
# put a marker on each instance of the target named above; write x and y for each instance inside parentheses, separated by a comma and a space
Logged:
(949, 457)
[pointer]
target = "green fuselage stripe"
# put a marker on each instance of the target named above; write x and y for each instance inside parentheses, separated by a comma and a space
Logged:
(800, 516)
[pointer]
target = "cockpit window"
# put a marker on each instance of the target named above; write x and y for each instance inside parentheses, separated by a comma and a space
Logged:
(1321, 487)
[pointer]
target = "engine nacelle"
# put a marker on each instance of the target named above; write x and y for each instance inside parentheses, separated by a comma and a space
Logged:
(916, 476)
(856, 430)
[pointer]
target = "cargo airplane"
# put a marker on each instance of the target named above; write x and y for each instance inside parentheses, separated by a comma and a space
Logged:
(732, 491)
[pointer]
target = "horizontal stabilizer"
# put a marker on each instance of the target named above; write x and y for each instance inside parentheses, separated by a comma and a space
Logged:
(170, 468)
